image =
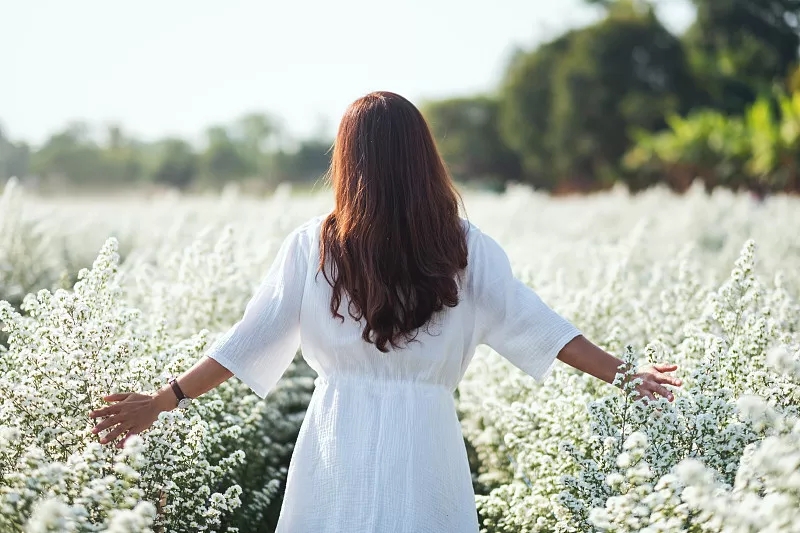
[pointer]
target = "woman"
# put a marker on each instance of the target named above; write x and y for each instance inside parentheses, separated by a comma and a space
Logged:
(389, 293)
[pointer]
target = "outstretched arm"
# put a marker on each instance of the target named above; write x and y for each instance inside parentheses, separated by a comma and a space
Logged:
(134, 412)
(205, 375)
(514, 321)
(580, 353)
(257, 349)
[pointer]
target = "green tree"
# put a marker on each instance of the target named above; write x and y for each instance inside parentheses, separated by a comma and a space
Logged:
(740, 48)
(759, 151)
(305, 164)
(70, 156)
(222, 159)
(258, 135)
(467, 133)
(176, 165)
(570, 107)
(123, 156)
(526, 98)
(626, 72)
(14, 157)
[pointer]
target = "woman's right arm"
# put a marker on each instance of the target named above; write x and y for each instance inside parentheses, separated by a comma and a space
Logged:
(516, 323)
(582, 354)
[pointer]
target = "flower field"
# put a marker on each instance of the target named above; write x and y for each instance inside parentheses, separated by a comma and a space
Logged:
(112, 295)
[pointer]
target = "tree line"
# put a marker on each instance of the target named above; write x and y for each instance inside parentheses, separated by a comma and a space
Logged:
(620, 100)
(252, 147)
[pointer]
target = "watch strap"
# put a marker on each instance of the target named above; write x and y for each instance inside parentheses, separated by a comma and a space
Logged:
(177, 389)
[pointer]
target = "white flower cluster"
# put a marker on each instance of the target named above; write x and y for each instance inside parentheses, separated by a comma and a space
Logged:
(217, 467)
(68, 350)
(576, 454)
(31, 256)
(648, 277)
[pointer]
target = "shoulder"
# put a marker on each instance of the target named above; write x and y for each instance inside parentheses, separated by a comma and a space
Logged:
(487, 261)
(479, 243)
(308, 230)
(471, 231)
(304, 237)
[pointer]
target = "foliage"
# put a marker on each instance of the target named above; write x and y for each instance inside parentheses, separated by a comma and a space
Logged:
(177, 163)
(73, 156)
(14, 157)
(569, 106)
(759, 151)
(467, 133)
(253, 147)
(72, 349)
(563, 117)
(307, 164)
(739, 49)
(762, 496)
(525, 104)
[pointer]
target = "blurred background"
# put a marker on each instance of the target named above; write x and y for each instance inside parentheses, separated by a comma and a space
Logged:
(564, 95)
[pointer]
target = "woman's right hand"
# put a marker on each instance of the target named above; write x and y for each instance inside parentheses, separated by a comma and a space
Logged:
(587, 357)
(653, 381)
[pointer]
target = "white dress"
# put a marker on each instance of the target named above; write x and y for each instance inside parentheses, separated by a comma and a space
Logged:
(380, 448)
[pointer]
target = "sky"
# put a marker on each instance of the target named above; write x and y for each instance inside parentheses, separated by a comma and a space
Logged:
(175, 67)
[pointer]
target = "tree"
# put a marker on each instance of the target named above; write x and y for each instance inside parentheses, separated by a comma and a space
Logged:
(626, 72)
(526, 97)
(306, 164)
(122, 156)
(258, 134)
(570, 107)
(222, 160)
(468, 136)
(740, 48)
(14, 157)
(70, 155)
(177, 163)
(759, 151)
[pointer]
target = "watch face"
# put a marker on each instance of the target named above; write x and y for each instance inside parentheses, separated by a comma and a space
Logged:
(184, 403)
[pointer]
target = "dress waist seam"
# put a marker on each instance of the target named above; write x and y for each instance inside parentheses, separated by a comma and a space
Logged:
(363, 381)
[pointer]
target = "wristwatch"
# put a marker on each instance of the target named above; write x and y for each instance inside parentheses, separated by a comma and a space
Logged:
(183, 400)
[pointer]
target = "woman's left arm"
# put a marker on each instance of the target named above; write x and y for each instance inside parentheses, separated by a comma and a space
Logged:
(582, 354)
(134, 412)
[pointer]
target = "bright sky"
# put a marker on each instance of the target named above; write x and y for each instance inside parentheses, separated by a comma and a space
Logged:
(163, 67)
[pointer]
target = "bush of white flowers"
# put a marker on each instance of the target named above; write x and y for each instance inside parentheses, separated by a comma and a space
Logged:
(573, 455)
(69, 350)
(31, 255)
(650, 278)
(188, 473)
(204, 287)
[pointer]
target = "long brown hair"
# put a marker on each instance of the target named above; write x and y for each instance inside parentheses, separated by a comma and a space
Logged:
(394, 239)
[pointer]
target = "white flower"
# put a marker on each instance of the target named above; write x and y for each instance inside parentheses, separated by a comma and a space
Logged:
(667, 278)
(50, 515)
(636, 440)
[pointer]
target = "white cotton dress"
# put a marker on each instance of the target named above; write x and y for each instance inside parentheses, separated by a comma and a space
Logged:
(380, 448)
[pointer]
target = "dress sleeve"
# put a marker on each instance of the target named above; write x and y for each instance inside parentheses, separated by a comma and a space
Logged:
(511, 318)
(260, 347)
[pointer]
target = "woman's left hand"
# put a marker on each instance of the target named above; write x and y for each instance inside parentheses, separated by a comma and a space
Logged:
(132, 413)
